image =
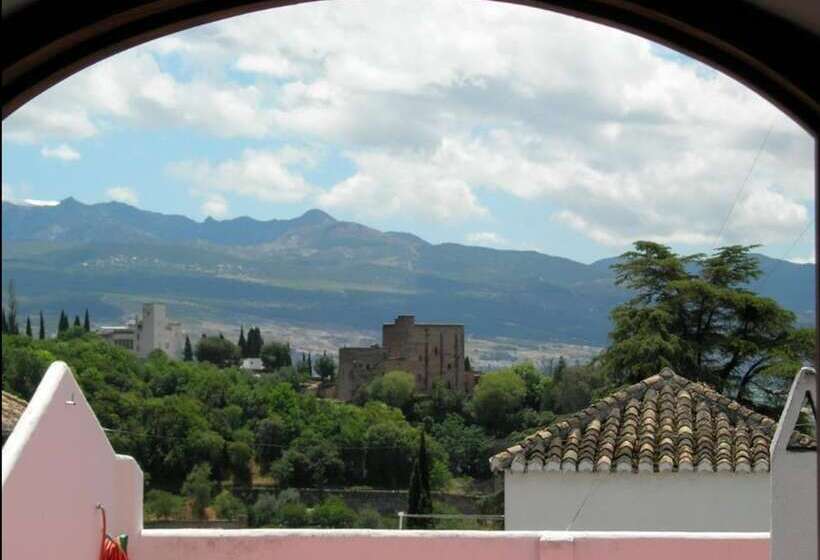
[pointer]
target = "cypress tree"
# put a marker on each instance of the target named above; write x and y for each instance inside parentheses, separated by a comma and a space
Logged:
(467, 365)
(11, 322)
(28, 327)
(42, 327)
(242, 343)
(5, 325)
(310, 364)
(63, 325)
(87, 322)
(77, 321)
(419, 498)
(188, 355)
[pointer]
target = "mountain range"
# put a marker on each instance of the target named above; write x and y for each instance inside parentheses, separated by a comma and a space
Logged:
(315, 270)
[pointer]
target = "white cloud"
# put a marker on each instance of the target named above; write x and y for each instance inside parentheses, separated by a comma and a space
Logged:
(7, 192)
(37, 202)
(123, 194)
(449, 102)
(487, 239)
(63, 152)
(215, 206)
(270, 176)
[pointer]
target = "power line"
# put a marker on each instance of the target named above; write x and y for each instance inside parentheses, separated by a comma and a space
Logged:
(785, 256)
(743, 184)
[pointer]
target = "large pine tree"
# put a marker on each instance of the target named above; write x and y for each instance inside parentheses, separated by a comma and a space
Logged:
(419, 497)
(42, 333)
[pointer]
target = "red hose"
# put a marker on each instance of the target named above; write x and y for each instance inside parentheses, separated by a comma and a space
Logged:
(109, 548)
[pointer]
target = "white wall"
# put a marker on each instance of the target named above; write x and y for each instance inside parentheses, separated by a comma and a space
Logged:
(57, 465)
(636, 502)
(794, 482)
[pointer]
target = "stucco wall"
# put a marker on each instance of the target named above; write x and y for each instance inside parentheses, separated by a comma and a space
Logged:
(794, 482)
(207, 544)
(57, 465)
(637, 502)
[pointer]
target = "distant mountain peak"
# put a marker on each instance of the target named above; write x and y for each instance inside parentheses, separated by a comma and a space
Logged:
(316, 217)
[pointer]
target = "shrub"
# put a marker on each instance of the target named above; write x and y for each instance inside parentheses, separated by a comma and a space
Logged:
(228, 506)
(160, 504)
(333, 513)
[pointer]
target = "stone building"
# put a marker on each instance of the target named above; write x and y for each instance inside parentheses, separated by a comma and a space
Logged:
(429, 351)
(149, 332)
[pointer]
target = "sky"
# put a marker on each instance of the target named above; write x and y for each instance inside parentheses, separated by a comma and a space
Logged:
(461, 121)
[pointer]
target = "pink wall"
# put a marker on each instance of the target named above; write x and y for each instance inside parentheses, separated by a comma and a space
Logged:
(57, 465)
(451, 545)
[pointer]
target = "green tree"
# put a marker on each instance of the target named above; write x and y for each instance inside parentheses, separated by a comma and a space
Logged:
(239, 456)
(394, 388)
(77, 321)
(275, 355)
(218, 351)
(197, 488)
(333, 513)
(242, 343)
(419, 497)
(42, 333)
(695, 314)
(254, 342)
(496, 397)
(188, 353)
(326, 367)
(11, 321)
(467, 365)
(228, 506)
(87, 322)
(28, 327)
(270, 434)
(467, 446)
(63, 324)
(163, 505)
(5, 324)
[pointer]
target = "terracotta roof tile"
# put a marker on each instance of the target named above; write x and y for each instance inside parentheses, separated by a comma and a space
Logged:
(664, 423)
(13, 408)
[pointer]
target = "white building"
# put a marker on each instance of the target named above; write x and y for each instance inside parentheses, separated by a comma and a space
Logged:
(665, 454)
(152, 331)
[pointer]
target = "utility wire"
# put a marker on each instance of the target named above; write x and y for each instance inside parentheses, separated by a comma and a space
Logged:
(743, 184)
(785, 256)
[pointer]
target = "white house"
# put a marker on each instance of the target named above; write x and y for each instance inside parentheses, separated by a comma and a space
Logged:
(665, 454)
(152, 331)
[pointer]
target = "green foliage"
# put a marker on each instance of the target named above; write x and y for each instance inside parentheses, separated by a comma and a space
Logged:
(28, 327)
(369, 518)
(188, 352)
(694, 314)
(279, 510)
(333, 512)
(270, 434)
(87, 322)
(394, 388)
(326, 367)
(468, 447)
(573, 388)
(42, 332)
(310, 461)
(218, 351)
(228, 506)
(160, 504)
(239, 457)
(275, 355)
(197, 488)
(496, 397)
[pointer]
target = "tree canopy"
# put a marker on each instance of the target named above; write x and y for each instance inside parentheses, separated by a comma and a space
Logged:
(696, 314)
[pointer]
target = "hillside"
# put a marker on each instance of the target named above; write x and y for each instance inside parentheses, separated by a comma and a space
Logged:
(313, 270)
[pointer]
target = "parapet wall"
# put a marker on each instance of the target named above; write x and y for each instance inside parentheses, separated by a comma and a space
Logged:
(57, 466)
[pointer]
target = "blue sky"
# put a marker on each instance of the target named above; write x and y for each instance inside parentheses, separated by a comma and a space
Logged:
(466, 121)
